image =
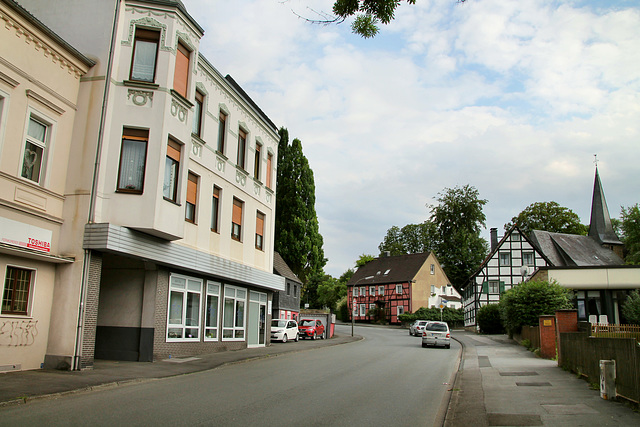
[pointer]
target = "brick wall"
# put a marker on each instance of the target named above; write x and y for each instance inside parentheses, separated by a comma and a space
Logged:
(547, 326)
(566, 321)
(90, 319)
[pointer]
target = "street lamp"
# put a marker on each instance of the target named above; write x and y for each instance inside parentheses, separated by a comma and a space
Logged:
(353, 311)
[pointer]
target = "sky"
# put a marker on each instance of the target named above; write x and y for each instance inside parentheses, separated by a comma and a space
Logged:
(511, 97)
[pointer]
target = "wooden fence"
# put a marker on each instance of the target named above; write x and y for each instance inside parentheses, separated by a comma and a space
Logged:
(531, 333)
(581, 353)
(615, 331)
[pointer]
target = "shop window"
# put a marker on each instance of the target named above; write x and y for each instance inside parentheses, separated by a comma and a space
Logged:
(236, 220)
(233, 327)
(198, 114)
(242, 148)
(17, 290)
(192, 196)
(133, 154)
(212, 310)
(183, 322)
(215, 209)
(222, 130)
(181, 75)
(171, 171)
(145, 53)
(260, 231)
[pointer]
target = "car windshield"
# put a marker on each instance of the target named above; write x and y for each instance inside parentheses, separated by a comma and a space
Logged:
(422, 323)
(437, 327)
(279, 323)
(308, 323)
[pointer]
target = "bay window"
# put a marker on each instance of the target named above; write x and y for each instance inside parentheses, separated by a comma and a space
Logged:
(145, 52)
(133, 154)
(35, 150)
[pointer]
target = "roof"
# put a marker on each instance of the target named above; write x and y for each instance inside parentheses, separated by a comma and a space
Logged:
(600, 227)
(250, 101)
(572, 249)
(178, 4)
(389, 269)
(46, 30)
(281, 268)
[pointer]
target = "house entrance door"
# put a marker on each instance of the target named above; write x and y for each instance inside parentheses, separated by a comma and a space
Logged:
(256, 326)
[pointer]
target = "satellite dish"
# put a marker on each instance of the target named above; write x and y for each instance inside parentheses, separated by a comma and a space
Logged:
(524, 271)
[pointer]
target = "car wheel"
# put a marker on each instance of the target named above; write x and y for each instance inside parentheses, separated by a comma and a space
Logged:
(447, 346)
(297, 337)
(284, 337)
(322, 336)
(424, 345)
(314, 336)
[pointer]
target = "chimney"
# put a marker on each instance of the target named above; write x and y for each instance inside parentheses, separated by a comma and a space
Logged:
(386, 254)
(494, 238)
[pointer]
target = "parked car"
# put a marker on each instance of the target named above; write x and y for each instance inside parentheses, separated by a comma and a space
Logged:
(284, 330)
(436, 334)
(310, 328)
(417, 327)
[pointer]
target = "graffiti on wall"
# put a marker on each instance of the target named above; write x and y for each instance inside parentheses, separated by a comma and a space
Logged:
(18, 333)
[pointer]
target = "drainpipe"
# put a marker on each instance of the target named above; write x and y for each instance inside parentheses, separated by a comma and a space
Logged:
(94, 190)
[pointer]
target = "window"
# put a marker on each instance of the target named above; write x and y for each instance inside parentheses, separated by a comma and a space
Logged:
(494, 286)
(242, 147)
(505, 259)
(433, 269)
(222, 130)
(258, 160)
(35, 150)
(355, 291)
(198, 114)
(145, 51)
(215, 209)
(399, 289)
(288, 288)
(433, 290)
(269, 166)
(171, 170)
(192, 194)
(133, 156)
(259, 230)
(400, 310)
(372, 291)
(233, 313)
(363, 291)
(381, 290)
(295, 290)
(363, 309)
(181, 75)
(372, 306)
(211, 312)
(184, 308)
(515, 237)
(236, 220)
(527, 258)
(17, 287)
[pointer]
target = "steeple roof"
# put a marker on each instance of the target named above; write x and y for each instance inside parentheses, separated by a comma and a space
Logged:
(600, 228)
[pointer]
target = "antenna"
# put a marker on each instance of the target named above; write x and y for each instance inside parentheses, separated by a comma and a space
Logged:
(595, 160)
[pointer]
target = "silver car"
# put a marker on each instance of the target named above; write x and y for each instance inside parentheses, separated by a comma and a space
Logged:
(417, 327)
(436, 334)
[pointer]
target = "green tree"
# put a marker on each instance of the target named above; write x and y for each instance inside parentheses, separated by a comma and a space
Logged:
(526, 302)
(331, 291)
(458, 219)
(489, 320)
(364, 258)
(297, 235)
(410, 239)
(631, 233)
(548, 216)
(631, 308)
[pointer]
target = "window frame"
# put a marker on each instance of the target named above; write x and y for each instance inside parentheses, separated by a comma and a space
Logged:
(133, 138)
(528, 254)
(184, 308)
(235, 329)
(211, 292)
(198, 114)
(381, 290)
(44, 145)
(363, 310)
(222, 130)
(215, 209)
(372, 291)
(399, 310)
(363, 291)
(506, 256)
(180, 84)
(260, 220)
(144, 35)
(236, 219)
(493, 286)
(174, 151)
(269, 170)
(29, 292)
(355, 292)
(400, 287)
(257, 161)
(191, 201)
(242, 148)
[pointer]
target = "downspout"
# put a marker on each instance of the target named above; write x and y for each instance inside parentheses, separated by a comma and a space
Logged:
(94, 190)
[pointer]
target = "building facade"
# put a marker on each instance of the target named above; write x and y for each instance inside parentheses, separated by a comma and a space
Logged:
(286, 303)
(171, 199)
(40, 77)
(389, 286)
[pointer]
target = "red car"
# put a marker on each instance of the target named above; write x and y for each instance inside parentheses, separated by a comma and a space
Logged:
(309, 328)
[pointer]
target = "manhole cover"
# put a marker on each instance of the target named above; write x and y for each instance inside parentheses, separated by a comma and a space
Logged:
(518, 374)
(514, 420)
(544, 384)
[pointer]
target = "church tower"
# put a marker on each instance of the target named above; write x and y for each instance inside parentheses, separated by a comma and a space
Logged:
(600, 228)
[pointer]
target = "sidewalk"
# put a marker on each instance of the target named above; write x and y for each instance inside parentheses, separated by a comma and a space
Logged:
(500, 383)
(18, 387)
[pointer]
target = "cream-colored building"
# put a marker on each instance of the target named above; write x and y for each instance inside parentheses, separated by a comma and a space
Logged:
(39, 84)
(170, 198)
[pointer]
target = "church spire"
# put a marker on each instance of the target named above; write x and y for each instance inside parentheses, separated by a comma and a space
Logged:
(600, 228)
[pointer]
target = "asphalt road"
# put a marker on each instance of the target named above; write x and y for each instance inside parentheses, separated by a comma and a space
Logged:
(385, 379)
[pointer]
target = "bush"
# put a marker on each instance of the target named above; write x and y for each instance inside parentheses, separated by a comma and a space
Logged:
(526, 302)
(631, 308)
(489, 320)
(343, 311)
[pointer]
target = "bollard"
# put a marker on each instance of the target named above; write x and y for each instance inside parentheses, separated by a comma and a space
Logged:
(608, 379)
